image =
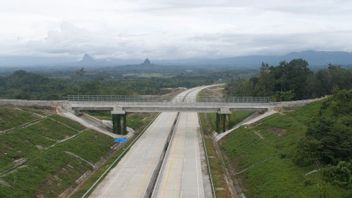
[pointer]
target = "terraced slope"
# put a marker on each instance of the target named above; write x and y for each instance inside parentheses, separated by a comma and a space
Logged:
(42, 154)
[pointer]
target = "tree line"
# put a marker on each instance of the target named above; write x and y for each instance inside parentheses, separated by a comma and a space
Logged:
(292, 80)
(26, 85)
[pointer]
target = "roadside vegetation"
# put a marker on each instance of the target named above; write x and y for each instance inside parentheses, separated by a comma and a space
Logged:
(264, 157)
(298, 152)
(292, 80)
(328, 141)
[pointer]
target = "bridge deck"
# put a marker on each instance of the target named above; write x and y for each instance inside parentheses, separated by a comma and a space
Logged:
(167, 106)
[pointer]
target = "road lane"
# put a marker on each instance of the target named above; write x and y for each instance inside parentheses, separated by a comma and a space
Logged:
(181, 174)
(132, 175)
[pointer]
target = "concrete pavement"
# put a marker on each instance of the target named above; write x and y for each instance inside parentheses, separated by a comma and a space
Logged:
(181, 174)
(132, 175)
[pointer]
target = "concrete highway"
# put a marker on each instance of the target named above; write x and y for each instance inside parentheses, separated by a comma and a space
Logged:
(132, 175)
(181, 174)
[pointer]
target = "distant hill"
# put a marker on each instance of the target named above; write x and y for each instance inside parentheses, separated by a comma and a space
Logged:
(315, 58)
(147, 62)
(87, 59)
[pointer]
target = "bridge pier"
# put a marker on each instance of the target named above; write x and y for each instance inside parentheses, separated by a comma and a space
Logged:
(119, 121)
(222, 117)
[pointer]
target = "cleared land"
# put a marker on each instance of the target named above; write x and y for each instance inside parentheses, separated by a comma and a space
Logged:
(261, 155)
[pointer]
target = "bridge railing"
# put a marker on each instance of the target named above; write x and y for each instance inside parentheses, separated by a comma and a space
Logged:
(162, 99)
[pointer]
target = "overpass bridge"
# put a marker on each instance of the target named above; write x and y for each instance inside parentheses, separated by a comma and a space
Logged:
(119, 106)
(125, 104)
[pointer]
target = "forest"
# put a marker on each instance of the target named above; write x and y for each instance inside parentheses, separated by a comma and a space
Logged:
(292, 80)
(328, 140)
(26, 85)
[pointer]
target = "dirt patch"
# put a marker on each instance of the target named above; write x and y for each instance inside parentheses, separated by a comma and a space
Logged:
(216, 92)
(278, 131)
(172, 92)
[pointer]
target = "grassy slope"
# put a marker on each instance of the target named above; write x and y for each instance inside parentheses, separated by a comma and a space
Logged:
(265, 153)
(48, 166)
(11, 117)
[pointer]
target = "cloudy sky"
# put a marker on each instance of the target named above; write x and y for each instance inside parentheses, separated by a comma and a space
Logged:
(173, 28)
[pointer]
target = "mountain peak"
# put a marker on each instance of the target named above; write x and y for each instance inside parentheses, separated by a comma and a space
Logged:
(87, 58)
(146, 62)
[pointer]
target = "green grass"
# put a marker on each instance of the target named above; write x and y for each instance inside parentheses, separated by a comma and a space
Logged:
(48, 166)
(91, 180)
(263, 155)
(138, 121)
(11, 117)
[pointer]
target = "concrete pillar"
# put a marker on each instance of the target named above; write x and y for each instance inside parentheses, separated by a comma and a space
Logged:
(124, 124)
(116, 123)
(222, 117)
(217, 122)
(223, 122)
(119, 120)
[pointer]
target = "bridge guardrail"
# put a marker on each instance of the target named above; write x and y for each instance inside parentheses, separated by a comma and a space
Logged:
(163, 99)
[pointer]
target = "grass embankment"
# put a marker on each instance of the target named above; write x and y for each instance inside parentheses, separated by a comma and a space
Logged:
(45, 156)
(42, 154)
(262, 157)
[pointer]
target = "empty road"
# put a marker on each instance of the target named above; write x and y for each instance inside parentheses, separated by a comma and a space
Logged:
(181, 173)
(132, 175)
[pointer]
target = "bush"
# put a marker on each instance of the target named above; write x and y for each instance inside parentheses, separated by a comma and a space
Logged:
(341, 174)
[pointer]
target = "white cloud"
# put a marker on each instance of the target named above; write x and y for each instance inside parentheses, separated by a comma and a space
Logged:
(172, 28)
